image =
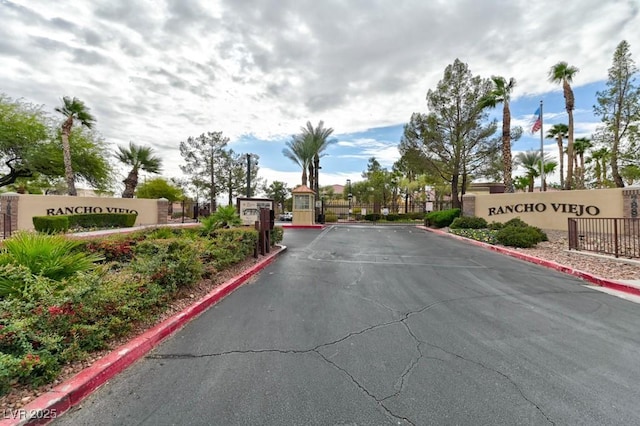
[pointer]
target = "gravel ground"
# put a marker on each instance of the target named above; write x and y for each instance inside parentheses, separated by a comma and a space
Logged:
(608, 267)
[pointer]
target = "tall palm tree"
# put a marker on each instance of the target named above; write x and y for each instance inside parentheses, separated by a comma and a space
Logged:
(501, 93)
(580, 146)
(559, 132)
(318, 140)
(563, 73)
(72, 109)
(300, 152)
(139, 158)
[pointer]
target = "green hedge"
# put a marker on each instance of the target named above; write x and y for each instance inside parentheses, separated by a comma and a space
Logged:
(62, 223)
(442, 218)
(51, 224)
(100, 220)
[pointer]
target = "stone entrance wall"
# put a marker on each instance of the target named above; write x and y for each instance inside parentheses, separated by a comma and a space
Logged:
(23, 207)
(550, 210)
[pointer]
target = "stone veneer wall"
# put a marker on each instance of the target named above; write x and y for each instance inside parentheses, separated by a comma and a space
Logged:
(630, 199)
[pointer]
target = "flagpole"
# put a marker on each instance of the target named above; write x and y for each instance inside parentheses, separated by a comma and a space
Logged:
(541, 150)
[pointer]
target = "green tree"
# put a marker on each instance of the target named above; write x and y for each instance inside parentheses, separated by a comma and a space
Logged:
(89, 159)
(317, 138)
(630, 173)
(278, 191)
(203, 155)
(232, 176)
(601, 158)
(530, 160)
(453, 137)
(559, 132)
(138, 158)
(159, 188)
(23, 129)
(72, 109)
(501, 93)
(619, 108)
(300, 151)
(563, 73)
(580, 147)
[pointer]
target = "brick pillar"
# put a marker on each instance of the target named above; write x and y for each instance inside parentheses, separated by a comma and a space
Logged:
(468, 205)
(163, 211)
(630, 201)
(9, 203)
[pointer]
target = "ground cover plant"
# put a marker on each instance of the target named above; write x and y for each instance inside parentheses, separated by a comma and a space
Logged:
(62, 299)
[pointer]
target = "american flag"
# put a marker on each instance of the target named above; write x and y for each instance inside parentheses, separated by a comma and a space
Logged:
(537, 124)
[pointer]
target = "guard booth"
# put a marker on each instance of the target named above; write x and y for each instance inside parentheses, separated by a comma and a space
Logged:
(303, 206)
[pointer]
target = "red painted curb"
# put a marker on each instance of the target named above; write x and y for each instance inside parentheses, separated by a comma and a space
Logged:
(68, 394)
(602, 282)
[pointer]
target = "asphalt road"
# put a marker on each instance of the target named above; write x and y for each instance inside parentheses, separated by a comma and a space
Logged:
(375, 325)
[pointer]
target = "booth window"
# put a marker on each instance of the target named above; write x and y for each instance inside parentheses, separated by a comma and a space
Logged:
(301, 202)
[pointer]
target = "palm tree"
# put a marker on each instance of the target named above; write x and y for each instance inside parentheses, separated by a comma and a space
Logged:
(318, 140)
(580, 146)
(501, 93)
(559, 133)
(601, 158)
(530, 160)
(139, 158)
(563, 73)
(521, 182)
(300, 152)
(73, 109)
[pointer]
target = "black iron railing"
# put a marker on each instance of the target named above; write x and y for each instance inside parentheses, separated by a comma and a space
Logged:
(619, 237)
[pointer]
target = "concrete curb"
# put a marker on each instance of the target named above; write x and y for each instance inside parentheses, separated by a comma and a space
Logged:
(602, 282)
(60, 399)
(303, 226)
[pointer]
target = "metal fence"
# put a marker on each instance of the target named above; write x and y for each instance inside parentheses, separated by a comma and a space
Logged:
(341, 208)
(619, 237)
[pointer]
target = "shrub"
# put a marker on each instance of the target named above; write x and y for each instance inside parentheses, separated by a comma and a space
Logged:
(495, 226)
(52, 256)
(392, 217)
(517, 236)
(416, 215)
(171, 263)
(330, 217)
(442, 218)
(468, 222)
(517, 222)
(224, 216)
(102, 220)
(51, 224)
(372, 217)
(277, 234)
(113, 249)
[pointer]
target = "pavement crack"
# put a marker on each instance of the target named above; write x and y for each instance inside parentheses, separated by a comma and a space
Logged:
(414, 362)
(235, 352)
(500, 373)
(380, 402)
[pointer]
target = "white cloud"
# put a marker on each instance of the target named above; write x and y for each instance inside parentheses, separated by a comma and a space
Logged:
(156, 72)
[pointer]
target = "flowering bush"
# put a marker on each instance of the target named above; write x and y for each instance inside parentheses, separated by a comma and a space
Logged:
(50, 322)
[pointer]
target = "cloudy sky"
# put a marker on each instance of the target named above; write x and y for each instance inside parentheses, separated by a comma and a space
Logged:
(158, 71)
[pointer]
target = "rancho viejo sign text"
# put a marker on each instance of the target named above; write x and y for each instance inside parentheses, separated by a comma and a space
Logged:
(88, 210)
(576, 209)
